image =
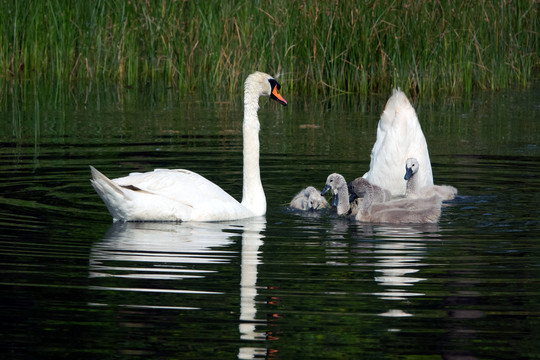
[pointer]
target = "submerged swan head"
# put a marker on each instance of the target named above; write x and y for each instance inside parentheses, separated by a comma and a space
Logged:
(261, 84)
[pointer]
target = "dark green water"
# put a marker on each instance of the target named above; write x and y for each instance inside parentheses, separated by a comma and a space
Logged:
(290, 285)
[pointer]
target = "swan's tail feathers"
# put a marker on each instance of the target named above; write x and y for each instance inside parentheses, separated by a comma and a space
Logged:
(111, 193)
(393, 100)
(395, 103)
(102, 182)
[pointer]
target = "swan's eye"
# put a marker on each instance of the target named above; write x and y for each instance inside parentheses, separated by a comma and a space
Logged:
(274, 83)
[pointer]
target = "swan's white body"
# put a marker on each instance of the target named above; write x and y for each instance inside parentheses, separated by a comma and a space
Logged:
(414, 191)
(309, 199)
(182, 195)
(399, 137)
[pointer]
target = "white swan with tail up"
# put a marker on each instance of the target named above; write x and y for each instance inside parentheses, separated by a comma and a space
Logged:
(182, 195)
(399, 137)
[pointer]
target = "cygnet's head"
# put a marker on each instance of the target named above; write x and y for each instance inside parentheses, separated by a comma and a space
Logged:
(411, 168)
(263, 84)
(313, 200)
(357, 188)
(334, 182)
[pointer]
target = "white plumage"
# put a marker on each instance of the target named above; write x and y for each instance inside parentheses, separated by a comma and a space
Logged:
(399, 137)
(182, 195)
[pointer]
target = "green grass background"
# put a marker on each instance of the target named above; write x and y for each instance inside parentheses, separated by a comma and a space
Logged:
(318, 48)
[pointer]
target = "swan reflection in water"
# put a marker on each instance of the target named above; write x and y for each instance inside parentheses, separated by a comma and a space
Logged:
(150, 252)
(398, 260)
(395, 252)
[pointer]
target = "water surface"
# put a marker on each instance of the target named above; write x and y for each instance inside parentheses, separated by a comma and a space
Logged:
(288, 285)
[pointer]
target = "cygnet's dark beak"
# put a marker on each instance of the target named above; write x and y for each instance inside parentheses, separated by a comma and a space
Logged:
(325, 189)
(408, 173)
(352, 194)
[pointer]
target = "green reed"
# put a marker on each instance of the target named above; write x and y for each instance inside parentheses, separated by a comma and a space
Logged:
(320, 48)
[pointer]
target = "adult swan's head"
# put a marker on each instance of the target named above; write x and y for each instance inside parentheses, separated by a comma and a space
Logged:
(182, 195)
(261, 84)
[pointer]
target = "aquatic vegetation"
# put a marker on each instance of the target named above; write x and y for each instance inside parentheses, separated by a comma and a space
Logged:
(320, 48)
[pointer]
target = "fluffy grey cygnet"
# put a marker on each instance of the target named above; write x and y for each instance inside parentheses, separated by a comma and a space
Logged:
(399, 211)
(358, 187)
(414, 191)
(309, 199)
(340, 194)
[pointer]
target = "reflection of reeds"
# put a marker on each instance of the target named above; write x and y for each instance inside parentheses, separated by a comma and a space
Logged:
(320, 47)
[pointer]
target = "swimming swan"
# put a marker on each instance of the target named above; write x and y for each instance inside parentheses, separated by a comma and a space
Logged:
(309, 199)
(399, 211)
(364, 187)
(358, 187)
(399, 136)
(446, 192)
(340, 194)
(182, 195)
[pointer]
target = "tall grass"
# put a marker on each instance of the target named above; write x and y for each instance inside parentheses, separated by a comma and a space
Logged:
(320, 47)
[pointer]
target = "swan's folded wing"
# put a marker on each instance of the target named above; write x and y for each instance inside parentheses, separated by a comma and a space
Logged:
(179, 185)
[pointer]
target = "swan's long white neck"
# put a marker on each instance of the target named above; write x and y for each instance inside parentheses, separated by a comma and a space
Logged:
(253, 196)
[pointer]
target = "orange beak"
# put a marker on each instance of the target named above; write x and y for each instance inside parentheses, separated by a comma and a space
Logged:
(277, 96)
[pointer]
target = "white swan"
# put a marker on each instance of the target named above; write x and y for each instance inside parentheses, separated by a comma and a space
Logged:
(400, 211)
(414, 191)
(399, 136)
(309, 199)
(182, 195)
(340, 194)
